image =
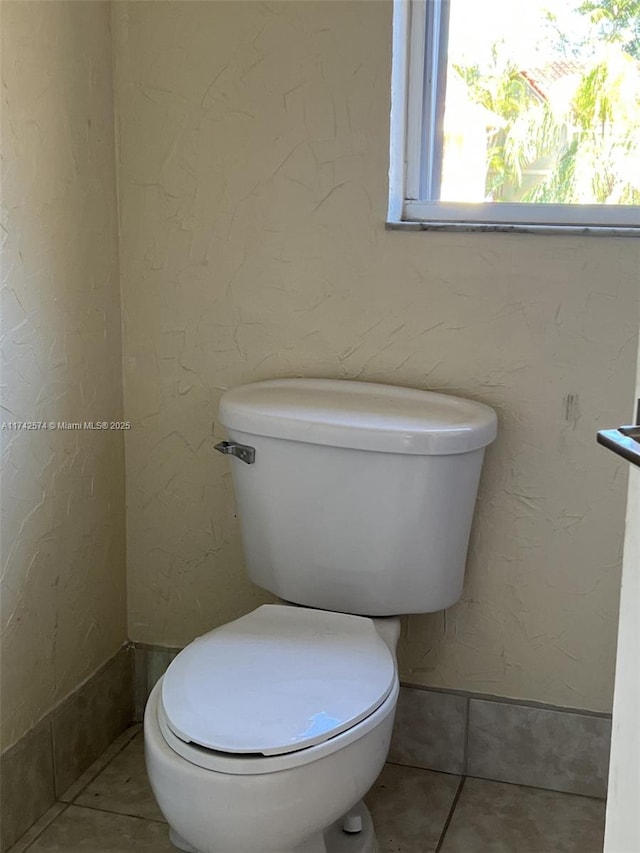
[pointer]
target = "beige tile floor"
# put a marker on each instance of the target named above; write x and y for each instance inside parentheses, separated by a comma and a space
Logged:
(111, 810)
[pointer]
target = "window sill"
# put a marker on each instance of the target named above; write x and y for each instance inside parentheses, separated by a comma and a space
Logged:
(519, 228)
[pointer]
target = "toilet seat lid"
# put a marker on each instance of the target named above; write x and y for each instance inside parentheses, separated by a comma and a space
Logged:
(277, 680)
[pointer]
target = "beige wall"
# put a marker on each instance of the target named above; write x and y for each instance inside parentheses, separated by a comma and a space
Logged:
(253, 175)
(63, 583)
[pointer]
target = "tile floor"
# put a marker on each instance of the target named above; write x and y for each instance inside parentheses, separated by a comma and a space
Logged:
(111, 809)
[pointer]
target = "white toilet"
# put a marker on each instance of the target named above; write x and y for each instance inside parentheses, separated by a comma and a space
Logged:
(355, 502)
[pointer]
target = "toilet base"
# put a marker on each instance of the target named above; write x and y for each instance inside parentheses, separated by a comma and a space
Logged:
(338, 841)
(332, 840)
(180, 843)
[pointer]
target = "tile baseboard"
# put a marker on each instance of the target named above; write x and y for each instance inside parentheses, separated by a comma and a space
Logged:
(543, 748)
(494, 738)
(430, 731)
(149, 664)
(40, 767)
(28, 783)
(503, 740)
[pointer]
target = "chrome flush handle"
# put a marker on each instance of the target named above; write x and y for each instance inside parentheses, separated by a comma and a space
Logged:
(243, 451)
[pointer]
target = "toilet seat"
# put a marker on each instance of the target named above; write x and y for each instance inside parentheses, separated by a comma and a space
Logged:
(237, 764)
(277, 680)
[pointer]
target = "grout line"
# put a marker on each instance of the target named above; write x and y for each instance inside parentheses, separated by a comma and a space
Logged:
(465, 746)
(36, 829)
(450, 815)
(139, 682)
(54, 768)
(455, 773)
(530, 704)
(101, 763)
(23, 844)
(530, 787)
(121, 814)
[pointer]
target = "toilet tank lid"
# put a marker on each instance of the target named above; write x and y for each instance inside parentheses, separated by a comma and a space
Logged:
(277, 680)
(359, 415)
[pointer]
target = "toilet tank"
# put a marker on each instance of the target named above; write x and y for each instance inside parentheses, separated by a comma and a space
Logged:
(360, 496)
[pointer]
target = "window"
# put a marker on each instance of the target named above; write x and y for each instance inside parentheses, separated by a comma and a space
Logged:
(508, 112)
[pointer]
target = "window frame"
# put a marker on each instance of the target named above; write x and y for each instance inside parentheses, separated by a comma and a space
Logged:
(417, 111)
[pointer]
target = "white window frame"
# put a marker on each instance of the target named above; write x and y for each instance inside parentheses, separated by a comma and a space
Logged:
(417, 108)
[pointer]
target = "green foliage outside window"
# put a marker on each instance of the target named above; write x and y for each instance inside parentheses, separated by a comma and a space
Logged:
(578, 143)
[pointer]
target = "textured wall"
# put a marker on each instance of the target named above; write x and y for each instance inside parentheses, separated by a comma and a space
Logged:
(63, 583)
(253, 175)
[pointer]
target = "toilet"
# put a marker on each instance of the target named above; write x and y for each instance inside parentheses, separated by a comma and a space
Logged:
(355, 502)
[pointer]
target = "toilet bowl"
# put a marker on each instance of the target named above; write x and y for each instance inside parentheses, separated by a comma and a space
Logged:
(323, 687)
(355, 503)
